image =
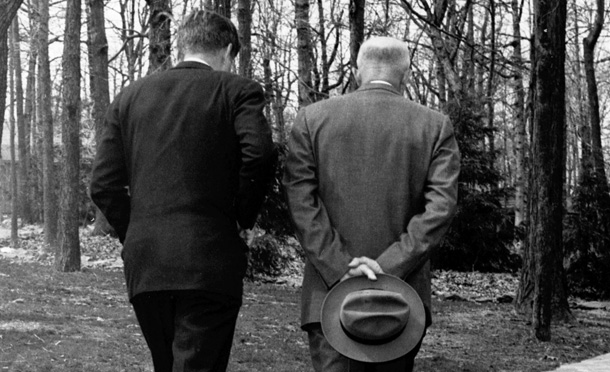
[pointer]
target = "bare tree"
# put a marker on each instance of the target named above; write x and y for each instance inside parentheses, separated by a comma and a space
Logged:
(541, 290)
(13, 102)
(223, 7)
(159, 35)
(67, 257)
(97, 44)
(29, 116)
(597, 154)
(520, 133)
(304, 52)
(8, 10)
(244, 19)
(46, 122)
(356, 26)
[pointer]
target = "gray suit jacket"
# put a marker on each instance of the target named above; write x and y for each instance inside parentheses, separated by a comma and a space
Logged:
(369, 174)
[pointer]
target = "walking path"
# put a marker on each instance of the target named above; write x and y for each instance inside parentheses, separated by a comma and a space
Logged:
(598, 364)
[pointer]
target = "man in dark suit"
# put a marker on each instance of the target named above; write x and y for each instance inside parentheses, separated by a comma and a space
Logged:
(181, 168)
(371, 181)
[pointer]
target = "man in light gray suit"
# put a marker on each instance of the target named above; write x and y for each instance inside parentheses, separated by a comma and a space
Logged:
(371, 182)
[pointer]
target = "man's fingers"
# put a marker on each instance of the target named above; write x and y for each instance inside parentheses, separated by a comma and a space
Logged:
(372, 264)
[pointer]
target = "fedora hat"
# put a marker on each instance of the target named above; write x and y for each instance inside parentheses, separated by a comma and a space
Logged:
(373, 321)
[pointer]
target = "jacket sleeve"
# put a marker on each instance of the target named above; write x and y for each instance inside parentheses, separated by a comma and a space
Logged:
(425, 230)
(322, 244)
(257, 152)
(109, 181)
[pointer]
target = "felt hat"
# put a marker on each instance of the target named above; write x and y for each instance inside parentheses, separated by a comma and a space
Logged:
(373, 321)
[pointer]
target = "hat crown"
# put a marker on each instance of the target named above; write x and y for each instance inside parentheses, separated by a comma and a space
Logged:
(374, 316)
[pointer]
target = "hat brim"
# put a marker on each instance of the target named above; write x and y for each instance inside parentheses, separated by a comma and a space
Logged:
(338, 339)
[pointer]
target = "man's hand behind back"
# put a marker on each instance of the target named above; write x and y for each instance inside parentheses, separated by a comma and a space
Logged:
(360, 266)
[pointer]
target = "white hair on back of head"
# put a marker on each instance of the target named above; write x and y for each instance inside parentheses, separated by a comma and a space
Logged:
(384, 52)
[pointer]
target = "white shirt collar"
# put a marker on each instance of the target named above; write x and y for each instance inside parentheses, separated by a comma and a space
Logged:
(380, 82)
(195, 59)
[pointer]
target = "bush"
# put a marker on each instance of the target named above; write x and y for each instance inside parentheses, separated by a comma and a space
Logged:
(587, 241)
(270, 256)
(480, 238)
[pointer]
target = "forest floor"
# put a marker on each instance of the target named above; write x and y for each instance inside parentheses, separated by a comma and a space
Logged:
(52, 321)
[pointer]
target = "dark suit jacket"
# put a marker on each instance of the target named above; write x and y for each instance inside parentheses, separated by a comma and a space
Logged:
(184, 155)
(369, 174)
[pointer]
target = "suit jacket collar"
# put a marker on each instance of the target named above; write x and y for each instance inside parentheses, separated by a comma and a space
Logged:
(379, 86)
(193, 64)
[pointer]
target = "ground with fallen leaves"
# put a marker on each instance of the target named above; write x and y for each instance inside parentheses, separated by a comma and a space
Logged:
(52, 321)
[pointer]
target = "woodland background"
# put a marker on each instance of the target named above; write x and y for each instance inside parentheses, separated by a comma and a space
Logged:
(525, 83)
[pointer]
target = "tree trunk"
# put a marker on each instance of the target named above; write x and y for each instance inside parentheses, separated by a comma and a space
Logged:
(98, 73)
(159, 36)
(520, 133)
(542, 273)
(223, 7)
(8, 10)
(22, 171)
(304, 52)
(29, 216)
(46, 118)
(491, 86)
(597, 154)
(244, 19)
(356, 27)
(3, 82)
(68, 254)
(12, 104)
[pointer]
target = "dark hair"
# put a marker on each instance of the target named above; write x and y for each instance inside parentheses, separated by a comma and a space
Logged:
(205, 31)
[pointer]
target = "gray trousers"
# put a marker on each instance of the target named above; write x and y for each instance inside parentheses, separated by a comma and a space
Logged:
(326, 359)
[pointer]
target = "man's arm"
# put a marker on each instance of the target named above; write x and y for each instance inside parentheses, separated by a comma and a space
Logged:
(321, 242)
(109, 181)
(258, 154)
(425, 230)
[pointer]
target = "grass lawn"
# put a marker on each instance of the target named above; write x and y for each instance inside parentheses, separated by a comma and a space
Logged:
(51, 321)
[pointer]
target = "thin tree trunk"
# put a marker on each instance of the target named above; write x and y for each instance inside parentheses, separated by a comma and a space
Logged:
(29, 117)
(583, 118)
(304, 52)
(68, 254)
(22, 170)
(520, 134)
(356, 27)
(597, 153)
(12, 104)
(159, 36)
(244, 19)
(491, 86)
(3, 81)
(98, 73)
(46, 118)
(223, 7)
(8, 10)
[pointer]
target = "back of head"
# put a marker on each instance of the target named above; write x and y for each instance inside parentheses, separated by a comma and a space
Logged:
(383, 58)
(204, 32)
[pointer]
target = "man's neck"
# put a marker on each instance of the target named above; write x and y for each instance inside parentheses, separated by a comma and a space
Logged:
(380, 81)
(193, 58)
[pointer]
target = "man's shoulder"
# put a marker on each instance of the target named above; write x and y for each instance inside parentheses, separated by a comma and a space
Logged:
(240, 81)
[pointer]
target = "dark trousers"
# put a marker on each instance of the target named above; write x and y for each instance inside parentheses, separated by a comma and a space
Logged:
(187, 331)
(326, 359)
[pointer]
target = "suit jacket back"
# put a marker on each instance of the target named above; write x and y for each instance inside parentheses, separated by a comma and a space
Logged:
(370, 174)
(194, 150)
